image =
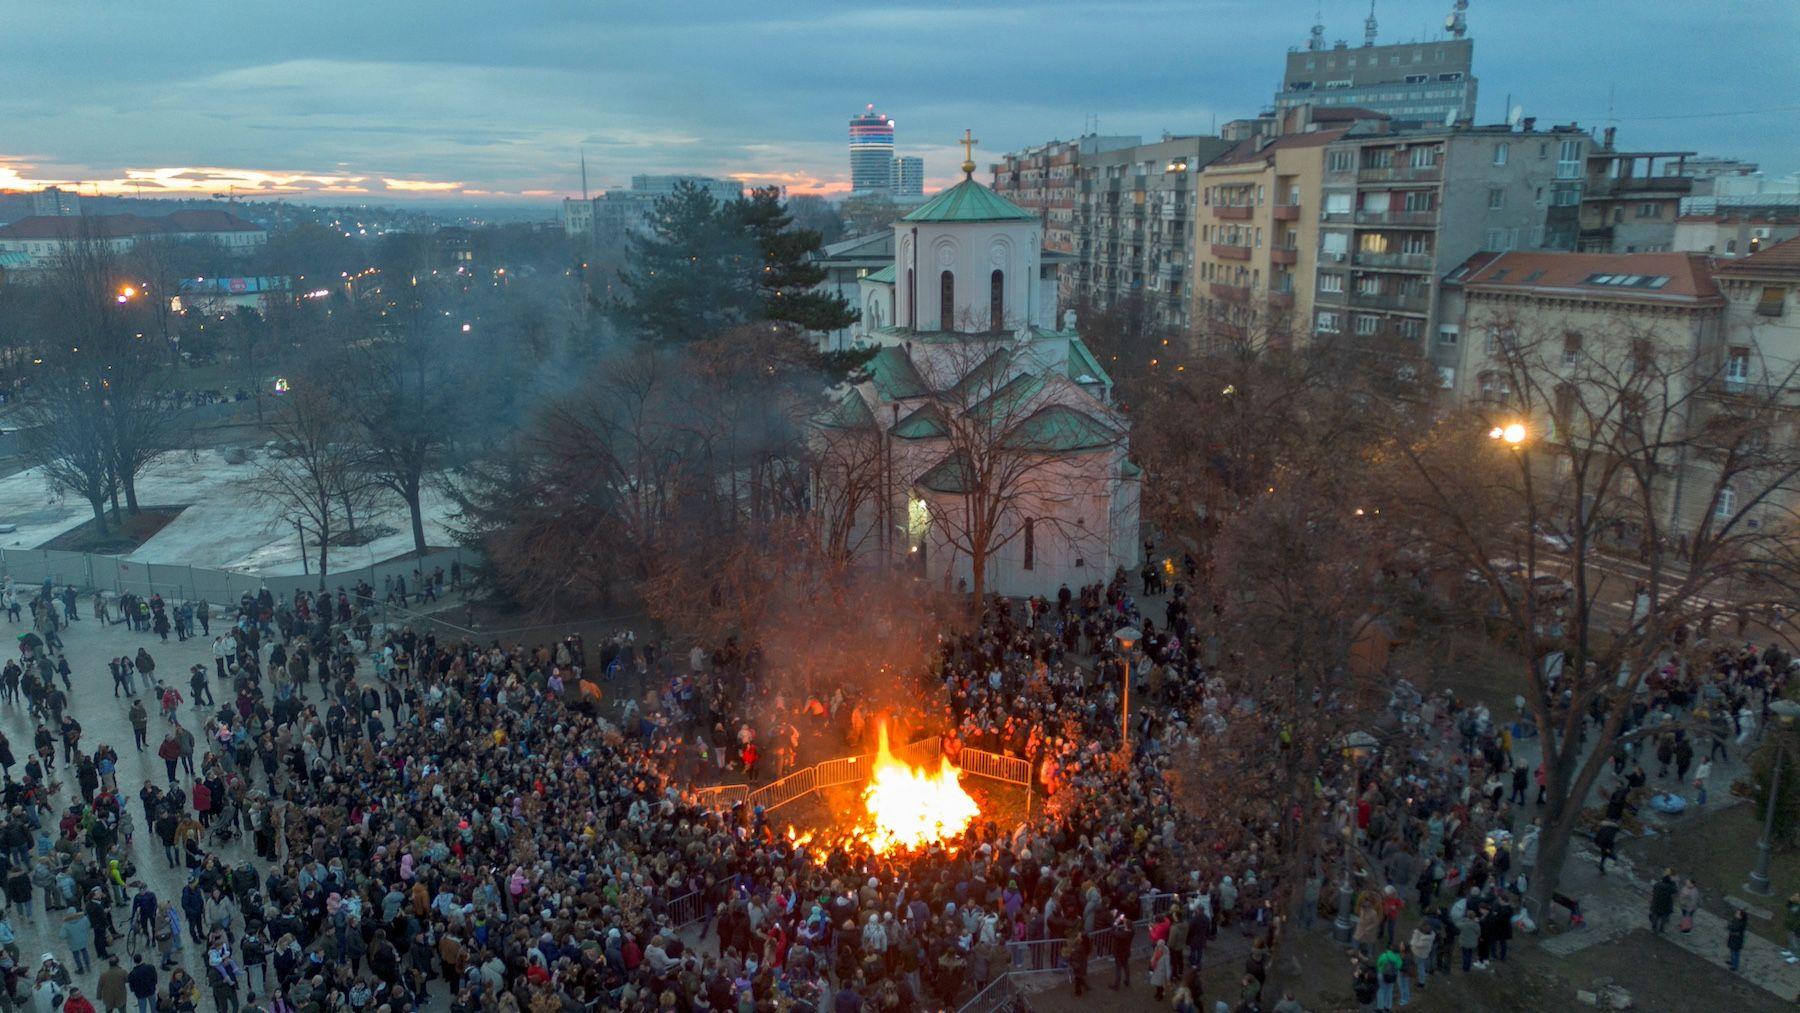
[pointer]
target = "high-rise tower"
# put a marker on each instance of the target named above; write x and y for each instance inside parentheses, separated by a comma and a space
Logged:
(871, 152)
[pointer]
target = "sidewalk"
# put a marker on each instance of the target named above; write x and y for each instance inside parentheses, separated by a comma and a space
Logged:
(1619, 902)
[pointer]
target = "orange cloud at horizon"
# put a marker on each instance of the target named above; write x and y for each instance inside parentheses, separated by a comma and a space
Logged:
(419, 185)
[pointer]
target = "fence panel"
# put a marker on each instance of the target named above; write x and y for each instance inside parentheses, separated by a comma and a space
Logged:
(721, 796)
(844, 770)
(684, 910)
(779, 793)
(1001, 994)
(982, 763)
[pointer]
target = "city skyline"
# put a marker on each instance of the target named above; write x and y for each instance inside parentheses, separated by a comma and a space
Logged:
(415, 105)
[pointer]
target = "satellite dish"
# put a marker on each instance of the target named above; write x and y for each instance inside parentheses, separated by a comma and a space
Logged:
(1450, 22)
(1517, 114)
(1450, 118)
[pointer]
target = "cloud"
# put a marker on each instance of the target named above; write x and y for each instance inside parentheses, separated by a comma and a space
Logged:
(418, 185)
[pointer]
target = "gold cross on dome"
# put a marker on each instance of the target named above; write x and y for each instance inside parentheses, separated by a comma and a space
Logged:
(968, 142)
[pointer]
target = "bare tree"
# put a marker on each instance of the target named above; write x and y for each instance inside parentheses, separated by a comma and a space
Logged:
(65, 435)
(1612, 492)
(310, 472)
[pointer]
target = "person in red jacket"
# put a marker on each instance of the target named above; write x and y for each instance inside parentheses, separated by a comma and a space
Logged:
(76, 1002)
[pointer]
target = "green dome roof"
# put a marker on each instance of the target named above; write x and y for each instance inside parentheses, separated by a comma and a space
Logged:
(969, 201)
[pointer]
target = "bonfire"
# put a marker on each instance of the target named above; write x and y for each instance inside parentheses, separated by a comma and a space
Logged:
(910, 807)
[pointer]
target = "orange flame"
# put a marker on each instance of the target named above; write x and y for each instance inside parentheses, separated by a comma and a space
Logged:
(910, 807)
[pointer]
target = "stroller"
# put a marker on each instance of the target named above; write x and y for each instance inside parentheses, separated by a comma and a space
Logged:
(224, 828)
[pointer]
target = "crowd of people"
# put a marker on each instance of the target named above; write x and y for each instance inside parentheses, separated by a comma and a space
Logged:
(364, 816)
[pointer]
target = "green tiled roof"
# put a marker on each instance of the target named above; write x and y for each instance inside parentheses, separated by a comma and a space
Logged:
(969, 201)
(951, 475)
(1082, 361)
(850, 413)
(894, 374)
(985, 372)
(996, 407)
(1061, 429)
(885, 275)
(927, 422)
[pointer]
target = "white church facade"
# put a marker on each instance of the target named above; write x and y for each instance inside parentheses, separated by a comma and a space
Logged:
(983, 430)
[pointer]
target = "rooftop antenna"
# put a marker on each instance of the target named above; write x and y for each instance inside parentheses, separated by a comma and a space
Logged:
(1457, 23)
(1369, 26)
(584, 189)
(1315, 40)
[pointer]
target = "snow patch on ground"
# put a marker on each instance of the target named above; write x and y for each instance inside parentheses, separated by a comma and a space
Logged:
(226, 526)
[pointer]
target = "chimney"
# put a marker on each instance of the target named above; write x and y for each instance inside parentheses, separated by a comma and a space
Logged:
(1609, 133)
(1528, 123)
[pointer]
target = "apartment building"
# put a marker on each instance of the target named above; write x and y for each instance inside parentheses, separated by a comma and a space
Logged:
(1044, 179)
(1256, 255)
(1134, 226)
(1400, 209)
(1630, 200)
(1732, 227)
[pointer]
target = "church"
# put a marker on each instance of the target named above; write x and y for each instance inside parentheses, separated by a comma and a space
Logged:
(981, 446)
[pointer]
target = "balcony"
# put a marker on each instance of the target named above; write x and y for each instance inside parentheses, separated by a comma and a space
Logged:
(1287, 212)
(1230, 293)
(1399, 173)
(1281, 300)
(1228, 251)
(1233, 212)
(1670, 186)
(1401, 261)
(1404, 303)
(1427, 219)
(1285, 255)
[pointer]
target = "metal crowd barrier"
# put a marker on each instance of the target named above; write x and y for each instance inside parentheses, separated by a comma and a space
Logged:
(776, 794)
(684, 910)
(982, 763)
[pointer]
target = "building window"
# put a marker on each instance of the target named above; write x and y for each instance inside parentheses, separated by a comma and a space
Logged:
(1727, 503)
(1424, 158)
(912, 301)
(1367, 324)
(1030, 544)
(1568, 160)
(1339, 161)
(1496, 199)
(997, 301)
(1447, 334)
(1331, 282)
(1337, 203)
(1411, 329)
(946, 301)
(1647, 209)
(1737, 366)
(1368, 284)
(1773, 300)
(1328, 322)
(1571, 353)
(1501, 150)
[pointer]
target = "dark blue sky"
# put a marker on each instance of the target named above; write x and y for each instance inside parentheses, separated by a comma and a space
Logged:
(489, 101)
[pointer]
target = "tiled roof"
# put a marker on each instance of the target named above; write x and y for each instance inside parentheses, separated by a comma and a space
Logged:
(852, 412)
(1061, 429)
(1649, 277)
(1247, 151)
(926, 422)
(969, 201)
(894, 374)
(885, 276)
(1781, 260)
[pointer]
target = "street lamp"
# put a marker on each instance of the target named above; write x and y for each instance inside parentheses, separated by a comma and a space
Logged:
(1512, 433)
(1127, 638)
(1786, 711)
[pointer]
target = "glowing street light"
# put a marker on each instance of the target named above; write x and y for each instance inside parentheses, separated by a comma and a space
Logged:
(1512, 433)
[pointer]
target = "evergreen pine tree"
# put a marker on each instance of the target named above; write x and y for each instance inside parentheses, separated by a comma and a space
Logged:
(692, 275)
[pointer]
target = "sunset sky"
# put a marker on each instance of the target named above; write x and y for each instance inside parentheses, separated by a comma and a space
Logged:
(394, 101)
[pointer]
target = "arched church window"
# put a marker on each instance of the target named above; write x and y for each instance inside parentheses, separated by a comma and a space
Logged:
(946, 301)
(997, 301)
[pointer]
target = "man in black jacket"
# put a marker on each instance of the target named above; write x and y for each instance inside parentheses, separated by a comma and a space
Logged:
(142, 982)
